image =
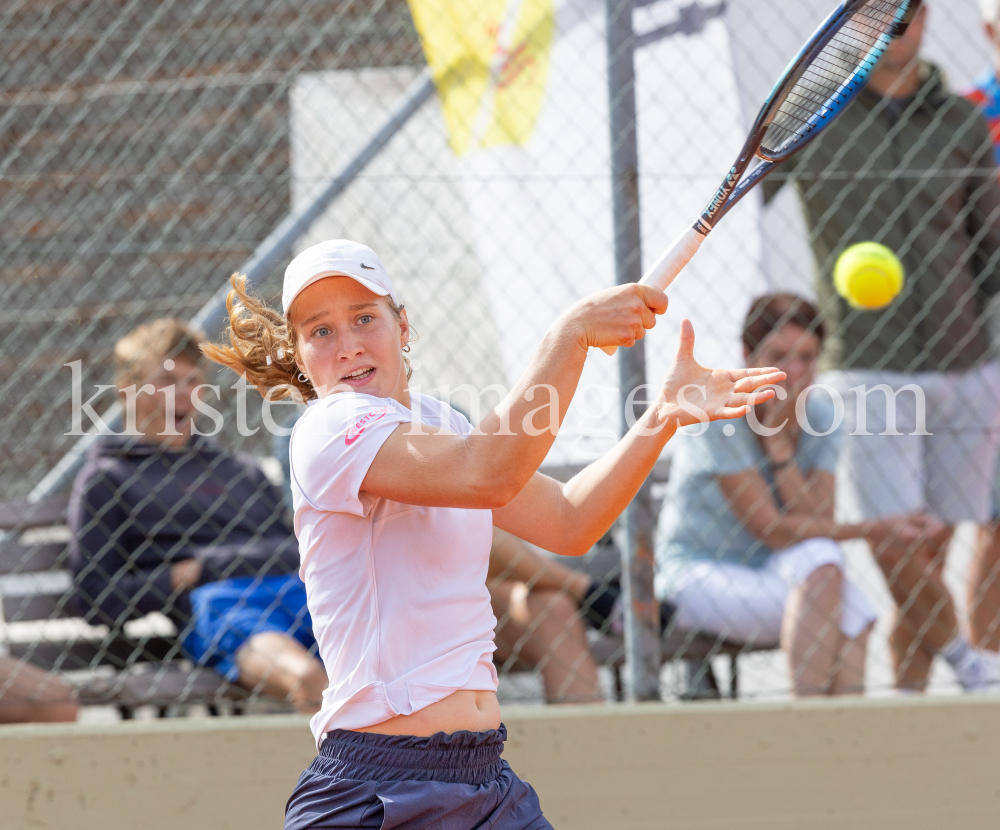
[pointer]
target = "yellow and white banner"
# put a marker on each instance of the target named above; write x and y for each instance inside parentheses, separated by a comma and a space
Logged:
(490, 60)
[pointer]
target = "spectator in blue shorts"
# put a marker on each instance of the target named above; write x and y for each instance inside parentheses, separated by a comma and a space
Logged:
(164, 519)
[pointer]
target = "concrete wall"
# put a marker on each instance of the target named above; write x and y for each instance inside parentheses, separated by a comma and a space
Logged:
(857, 764)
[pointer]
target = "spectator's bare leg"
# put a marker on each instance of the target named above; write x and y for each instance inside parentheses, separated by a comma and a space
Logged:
(911, 658)
(30, 695)
(512, 559)
(850, 676)
(279, 666)
(544, 629)
(984, 590)
(810, 631)
(927, 620)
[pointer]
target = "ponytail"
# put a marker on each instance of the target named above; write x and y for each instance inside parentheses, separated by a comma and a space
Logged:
(261, 346)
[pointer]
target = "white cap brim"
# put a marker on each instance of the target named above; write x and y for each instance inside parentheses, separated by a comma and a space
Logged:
(371, 286)
(335, 258)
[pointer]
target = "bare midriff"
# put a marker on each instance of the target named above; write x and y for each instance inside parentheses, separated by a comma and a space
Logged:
(462, 710)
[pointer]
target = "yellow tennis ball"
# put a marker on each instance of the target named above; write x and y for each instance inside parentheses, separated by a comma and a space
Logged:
(868, 275)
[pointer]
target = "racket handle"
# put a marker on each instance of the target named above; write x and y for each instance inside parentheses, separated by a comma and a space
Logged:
(669, 264)
(672, 261)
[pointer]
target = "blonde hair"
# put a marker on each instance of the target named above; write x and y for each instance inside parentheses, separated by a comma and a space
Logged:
(157, 341)
(262, 345)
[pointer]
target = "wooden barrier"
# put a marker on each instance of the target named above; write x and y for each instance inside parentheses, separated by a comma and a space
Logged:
(857, 764)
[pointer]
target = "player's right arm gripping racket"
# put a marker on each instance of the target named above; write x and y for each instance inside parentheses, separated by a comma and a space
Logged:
(825, 76)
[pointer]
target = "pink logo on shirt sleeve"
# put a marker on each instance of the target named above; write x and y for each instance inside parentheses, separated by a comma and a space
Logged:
(354, 431)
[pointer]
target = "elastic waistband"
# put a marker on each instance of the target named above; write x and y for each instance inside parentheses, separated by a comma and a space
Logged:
(459, 758)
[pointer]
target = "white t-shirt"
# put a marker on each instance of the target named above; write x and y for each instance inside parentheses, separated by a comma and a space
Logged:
(397, 593)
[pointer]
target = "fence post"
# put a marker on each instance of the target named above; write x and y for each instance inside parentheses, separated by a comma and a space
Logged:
(642, 623)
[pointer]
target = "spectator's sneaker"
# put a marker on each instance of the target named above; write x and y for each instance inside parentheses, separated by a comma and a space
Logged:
(604, 609)
(978, 670)
(617, 618)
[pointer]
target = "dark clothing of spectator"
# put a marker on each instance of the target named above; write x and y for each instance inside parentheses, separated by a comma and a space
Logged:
(916, 175)
(136, 509)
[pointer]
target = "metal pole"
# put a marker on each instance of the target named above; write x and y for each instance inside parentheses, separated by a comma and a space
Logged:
(213, 316)
(642, 613)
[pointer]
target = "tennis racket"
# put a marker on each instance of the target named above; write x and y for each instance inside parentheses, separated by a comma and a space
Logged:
(822, 79)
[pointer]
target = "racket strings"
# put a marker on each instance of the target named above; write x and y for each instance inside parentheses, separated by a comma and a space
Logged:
(846, 58)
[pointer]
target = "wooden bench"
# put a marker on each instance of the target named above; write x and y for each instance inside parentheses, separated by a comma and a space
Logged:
(137, 665)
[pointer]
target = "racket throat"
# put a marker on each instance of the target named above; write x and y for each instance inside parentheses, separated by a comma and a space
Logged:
(716, 208)
(730, 190)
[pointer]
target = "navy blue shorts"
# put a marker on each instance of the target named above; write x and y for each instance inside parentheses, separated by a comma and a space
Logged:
(229, 612)
(445, 782)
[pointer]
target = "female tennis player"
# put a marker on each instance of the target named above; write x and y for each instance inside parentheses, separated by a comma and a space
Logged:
(395, 495)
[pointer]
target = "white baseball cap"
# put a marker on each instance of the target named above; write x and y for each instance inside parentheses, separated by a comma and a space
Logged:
(335, 258)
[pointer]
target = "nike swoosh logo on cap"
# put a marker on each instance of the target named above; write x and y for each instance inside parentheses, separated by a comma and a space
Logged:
(369, 267)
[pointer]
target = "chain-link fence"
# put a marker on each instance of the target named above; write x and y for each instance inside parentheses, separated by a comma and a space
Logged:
(150, 149)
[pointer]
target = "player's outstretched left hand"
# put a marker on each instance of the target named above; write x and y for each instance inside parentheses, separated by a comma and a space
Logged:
(692, 394)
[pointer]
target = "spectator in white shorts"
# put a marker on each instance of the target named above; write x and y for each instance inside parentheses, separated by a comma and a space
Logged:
(747, 546)
(924, 442)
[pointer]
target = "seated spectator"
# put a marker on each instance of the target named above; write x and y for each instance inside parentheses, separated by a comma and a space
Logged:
(30, 695)
(164, 519)
(747, 547)
(537, 602)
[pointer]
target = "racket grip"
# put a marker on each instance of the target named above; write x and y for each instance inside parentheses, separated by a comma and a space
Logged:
(669, 264)
(672, 261)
